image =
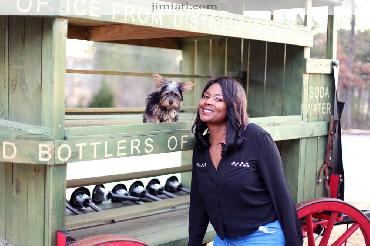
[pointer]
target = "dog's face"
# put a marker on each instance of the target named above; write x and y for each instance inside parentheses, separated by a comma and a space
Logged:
(171, 95)
(171, 92)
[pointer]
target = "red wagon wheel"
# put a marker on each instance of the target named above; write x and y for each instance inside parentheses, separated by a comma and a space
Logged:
(318, 216)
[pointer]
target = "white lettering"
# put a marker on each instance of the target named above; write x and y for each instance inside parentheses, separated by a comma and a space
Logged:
(106, 150)
(44, 152)
(172, 139)
(80, 149)
(135, 146)
(69, 152)
(129, 12)
(95, 144)
(39, 3)
(117, 8)
(183, 140)
(120, 147)
(12, 149)
(24, 10)
(94, 5)
(149, 145)
(76, 6)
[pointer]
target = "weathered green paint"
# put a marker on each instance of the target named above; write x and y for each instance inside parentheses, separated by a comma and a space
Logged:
(257, 78)
(234, 58)
(111, 143)
(29, 216)
(322, 66)
(331, 35)
(289, 151)
(4, 67)
(277, 78)
(210, 22)
(310, 159)
(293, 80)
(320, 190)
(273, 91)
(2, 198)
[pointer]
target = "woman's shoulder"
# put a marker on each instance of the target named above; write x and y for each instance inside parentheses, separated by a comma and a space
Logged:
(252, 129)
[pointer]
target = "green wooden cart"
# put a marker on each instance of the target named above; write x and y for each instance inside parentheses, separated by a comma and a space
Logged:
(289, 94)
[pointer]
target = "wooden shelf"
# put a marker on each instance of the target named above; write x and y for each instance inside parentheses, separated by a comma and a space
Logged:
(98, 138)
(144, 225)
(164, 29)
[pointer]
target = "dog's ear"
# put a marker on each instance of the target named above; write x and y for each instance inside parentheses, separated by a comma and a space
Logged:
(158, 80)
(186, 86)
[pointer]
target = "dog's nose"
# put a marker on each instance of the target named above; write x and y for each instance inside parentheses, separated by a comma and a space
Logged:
(171, 102)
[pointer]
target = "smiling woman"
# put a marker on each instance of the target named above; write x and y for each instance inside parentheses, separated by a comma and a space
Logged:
(238, 182)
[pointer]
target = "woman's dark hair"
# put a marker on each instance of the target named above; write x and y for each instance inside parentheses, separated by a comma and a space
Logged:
(236, 113)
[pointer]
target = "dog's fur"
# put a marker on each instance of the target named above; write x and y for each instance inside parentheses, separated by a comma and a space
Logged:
(163, 105)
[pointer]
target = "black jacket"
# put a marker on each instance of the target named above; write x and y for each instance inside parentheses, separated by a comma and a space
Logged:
(247, 190)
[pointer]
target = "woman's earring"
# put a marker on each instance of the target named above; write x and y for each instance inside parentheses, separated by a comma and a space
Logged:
(205, 132)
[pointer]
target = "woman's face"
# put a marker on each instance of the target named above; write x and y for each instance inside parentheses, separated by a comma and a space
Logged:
(212, 108)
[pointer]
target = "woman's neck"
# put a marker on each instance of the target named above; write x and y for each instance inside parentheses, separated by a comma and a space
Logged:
(217, 134)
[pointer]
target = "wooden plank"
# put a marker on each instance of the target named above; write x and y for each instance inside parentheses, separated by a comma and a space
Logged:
(322, 66)
(24, 106)
(293, 80)
(274, 79)
(2, 199)
(234, 59)
(331, 34)
(24, 69)
(19, 207)
(257, 78)
(246, 67)
(187, 67)
(124, 213)
(123, 73)
(92, 143)
(218, 59)
(212, 23)
(326, 96)
(300, 175)
(35, 204)
(289, 151)
(320, 97)
(26, 151)
(25, 128)
(53, 75)
(127, 176)
(320, 190)
(118, 145)
(78, 32)
(8, 200)
(4, 67)
(54, 202)
(126, 32)
(167, 43)
(310, 160)
(173, 222)
(54, 67)
(202, 64)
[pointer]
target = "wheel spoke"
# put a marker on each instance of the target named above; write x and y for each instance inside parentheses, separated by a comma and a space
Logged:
(309, 226)
(325, 239)
(346, 235)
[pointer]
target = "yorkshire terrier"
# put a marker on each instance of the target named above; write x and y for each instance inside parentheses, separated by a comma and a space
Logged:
(163, 105)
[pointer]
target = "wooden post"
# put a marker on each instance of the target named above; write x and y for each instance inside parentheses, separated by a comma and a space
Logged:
(331, 44)
(32, 197)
